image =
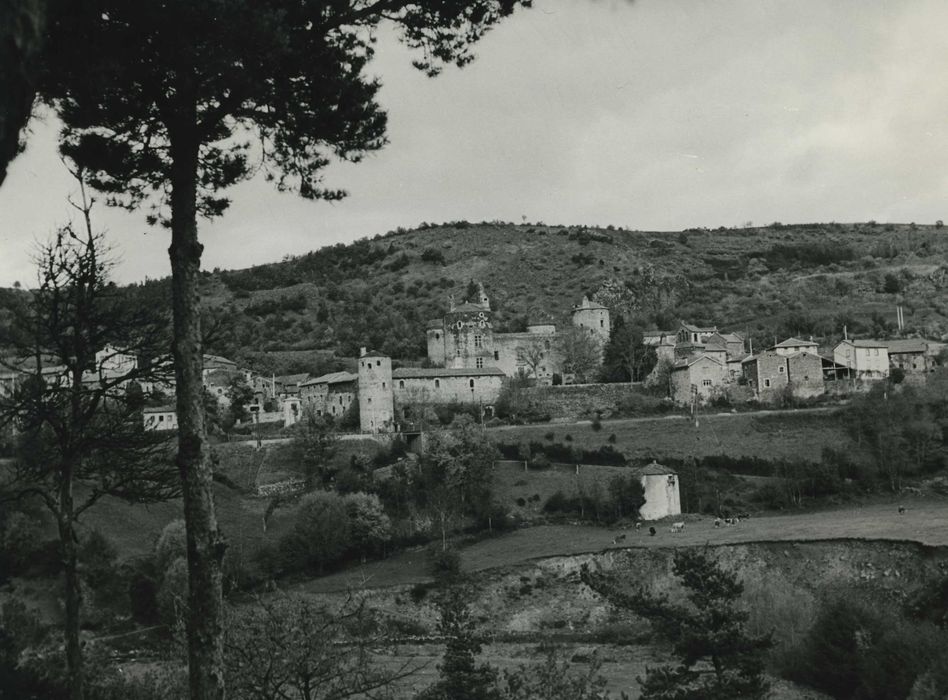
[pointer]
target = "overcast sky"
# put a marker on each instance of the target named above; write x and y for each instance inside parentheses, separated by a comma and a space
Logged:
(656, 114)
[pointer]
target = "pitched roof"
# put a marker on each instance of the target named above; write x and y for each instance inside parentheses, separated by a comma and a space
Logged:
(906, 345)
(794, 342)
(217, 359)
(698, 329)
(331, 378)
(684, 364)
(292, 378)
(655, 469)
(864, 343)
(159, 409)
(434, 324)
(435, 372)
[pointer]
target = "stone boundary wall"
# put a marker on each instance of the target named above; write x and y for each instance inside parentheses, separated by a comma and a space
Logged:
(573, 401)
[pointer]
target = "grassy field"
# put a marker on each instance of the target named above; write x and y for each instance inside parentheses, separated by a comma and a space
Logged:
(795, 435)
(924, 521)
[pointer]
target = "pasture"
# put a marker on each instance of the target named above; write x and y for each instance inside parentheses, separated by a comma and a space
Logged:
(770, 435)
(924, 521)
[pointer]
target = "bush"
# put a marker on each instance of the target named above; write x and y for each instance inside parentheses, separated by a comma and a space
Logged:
(320, 534)
(172, 596)
(444, 564)
(857, 651)
(172, 544)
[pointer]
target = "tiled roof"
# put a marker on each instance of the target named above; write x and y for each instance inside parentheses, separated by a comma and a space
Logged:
(793, 343)
(434, 372)
(906, 345)
(468, 307)
(864, 343)
(292, 378)
(331, 378)
(684, 364)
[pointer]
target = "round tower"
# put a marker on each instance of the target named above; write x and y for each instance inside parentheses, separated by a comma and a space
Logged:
(436, 342)
(376, 399)
(593, 317)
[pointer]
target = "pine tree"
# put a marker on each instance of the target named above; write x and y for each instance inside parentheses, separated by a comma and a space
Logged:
(717, 659)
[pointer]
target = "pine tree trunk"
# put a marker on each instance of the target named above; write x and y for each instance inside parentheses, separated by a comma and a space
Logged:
(73, 597)
(205, 542)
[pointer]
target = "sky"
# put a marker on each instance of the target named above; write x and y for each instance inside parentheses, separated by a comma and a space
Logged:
(652, 115)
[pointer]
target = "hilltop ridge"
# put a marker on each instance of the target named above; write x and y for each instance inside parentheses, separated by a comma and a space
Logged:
(308, 312)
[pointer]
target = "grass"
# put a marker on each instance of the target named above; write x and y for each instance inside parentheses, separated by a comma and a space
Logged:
(509, 485)
(800, 435)
(925, 522)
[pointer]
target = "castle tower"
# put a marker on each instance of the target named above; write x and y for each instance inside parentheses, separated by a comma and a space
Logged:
(593, 317)
(376, 398)
(482, 300)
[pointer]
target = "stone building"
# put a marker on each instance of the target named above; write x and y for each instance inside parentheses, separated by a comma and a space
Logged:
(384, 394)
(909, 354)
(465, 339)
(868, 359)
(416, 385)
(702, 374)
(769, 373)
(792, 346)
(662, 494)
(330, 394)
(376, 396)
(733, 344)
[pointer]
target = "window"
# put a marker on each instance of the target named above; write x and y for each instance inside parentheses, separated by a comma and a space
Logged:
(602, 323)
(401, 384)
(161, 419)
(457, 351)
(766, 382)
(437, 336)
(471, 383)
(876, 352)
(478, 341)
(479, 362)
(340, 398)
(706, 382)
(437, 383)
(378, 363)
(370, 399)
(383, 384)
(806, 377)
(780, 369)
(496, 355)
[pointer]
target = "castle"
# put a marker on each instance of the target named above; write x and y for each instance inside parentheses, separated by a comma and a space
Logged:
(465, 339)
(472, 362)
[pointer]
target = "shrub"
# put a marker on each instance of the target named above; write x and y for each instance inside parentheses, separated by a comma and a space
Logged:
(320, 534)
(172, 544)
(596, 424)
(444, 564)
(172, 596)
(612, 439)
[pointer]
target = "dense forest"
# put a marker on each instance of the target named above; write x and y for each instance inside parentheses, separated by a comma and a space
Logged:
(313, 312)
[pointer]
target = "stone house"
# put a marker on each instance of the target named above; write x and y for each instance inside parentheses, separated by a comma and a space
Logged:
(792, 346)
(733, 343)
(689, 333)
(868, 359)
(662, 495)
(769, 373)
(703, 374)
(909, 354)
(330, 394)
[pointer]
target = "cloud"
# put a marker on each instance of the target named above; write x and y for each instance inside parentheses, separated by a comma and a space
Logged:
(651, 114)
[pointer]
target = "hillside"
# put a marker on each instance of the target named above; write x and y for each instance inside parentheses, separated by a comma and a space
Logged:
(776, 280)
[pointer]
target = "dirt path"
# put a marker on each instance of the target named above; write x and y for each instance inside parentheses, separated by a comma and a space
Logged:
(923, 521)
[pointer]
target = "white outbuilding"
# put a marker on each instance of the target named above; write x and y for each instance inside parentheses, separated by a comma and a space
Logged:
(662, 496)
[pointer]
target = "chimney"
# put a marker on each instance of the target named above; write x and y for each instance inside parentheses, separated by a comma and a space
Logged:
(362, 351)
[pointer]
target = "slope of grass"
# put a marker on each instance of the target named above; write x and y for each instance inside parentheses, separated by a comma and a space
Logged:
(313, 312)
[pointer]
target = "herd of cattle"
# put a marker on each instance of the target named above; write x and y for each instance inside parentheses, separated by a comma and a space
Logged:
(679, 526)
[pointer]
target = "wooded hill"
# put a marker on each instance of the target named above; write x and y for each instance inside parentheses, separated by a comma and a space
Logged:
(811, 279)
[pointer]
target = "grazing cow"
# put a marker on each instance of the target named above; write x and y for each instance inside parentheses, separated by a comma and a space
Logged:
(677, 527)
(652, 531)
(718, 522)
(618, 539)
(638, 525)
(901, 510)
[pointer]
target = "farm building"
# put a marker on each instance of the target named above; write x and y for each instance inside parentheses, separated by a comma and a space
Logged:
(662, 495)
